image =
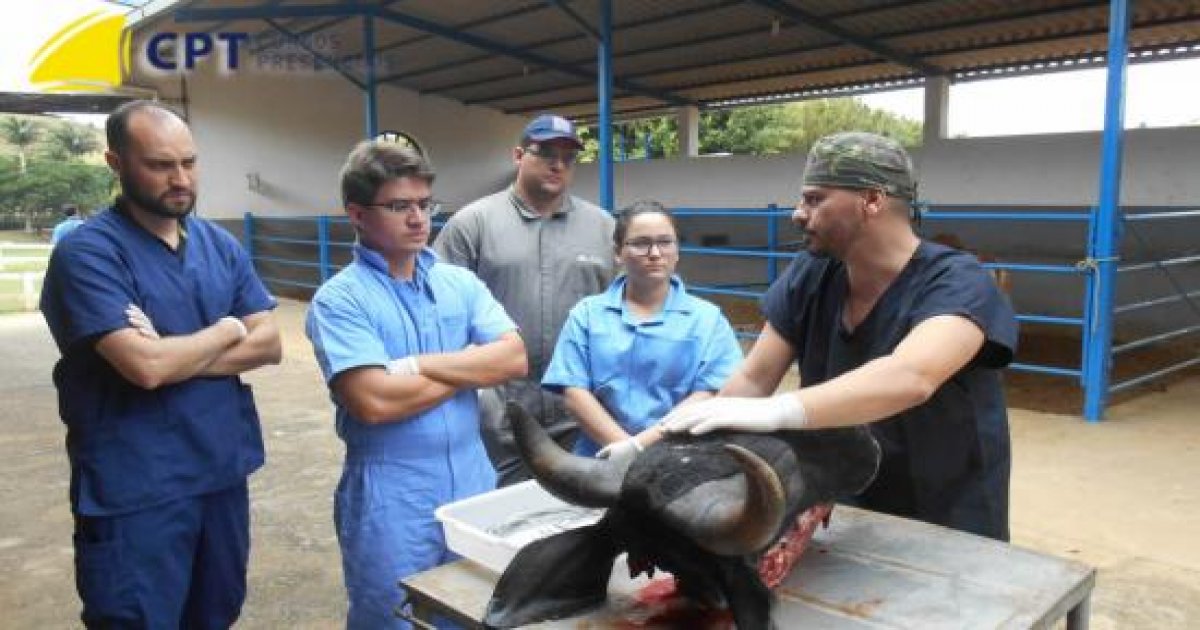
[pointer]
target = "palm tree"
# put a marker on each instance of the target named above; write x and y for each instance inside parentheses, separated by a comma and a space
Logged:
(70, 140)
(21, 133)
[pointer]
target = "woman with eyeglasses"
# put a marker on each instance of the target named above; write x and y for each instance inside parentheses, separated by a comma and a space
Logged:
(629, 355)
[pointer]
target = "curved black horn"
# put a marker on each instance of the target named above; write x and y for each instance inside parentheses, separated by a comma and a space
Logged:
(736, 515)
(586, 481)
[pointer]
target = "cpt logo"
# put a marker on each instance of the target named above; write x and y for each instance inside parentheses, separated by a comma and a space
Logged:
(164, 52)
(93, 53)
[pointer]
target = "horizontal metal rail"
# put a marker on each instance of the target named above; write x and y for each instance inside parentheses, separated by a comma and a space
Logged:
(295, 283)
(1159, 216)
(1050, 319)
(288, 261)
(1158, 264)
(707, 290)
(1153, 339)
(943, 215)
(1145, 378)
(286, 239)
(1126, 308)
(1038, 268)
(728, 251)
(1045, 369)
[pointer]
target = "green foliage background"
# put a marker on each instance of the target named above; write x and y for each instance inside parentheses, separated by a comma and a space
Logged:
(62, 165)
(758, 130)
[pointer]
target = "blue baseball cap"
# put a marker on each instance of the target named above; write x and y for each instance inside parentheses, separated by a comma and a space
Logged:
(551, 127)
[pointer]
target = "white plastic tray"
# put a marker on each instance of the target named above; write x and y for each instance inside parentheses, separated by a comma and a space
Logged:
(490, 528)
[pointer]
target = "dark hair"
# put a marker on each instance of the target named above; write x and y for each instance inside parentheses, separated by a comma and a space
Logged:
(374, 163)
(70, 210)
(626, 215)
(116, 128)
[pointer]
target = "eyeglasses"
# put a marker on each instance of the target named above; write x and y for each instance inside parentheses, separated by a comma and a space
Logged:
(428, 207)
(550, 155)
(642, 246)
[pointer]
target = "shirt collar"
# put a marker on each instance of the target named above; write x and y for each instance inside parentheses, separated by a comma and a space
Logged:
(529, 213)
(376, 261)
(676, 297)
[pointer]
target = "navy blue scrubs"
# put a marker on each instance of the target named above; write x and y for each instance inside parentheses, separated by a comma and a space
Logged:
(946, 461)
(158, 478)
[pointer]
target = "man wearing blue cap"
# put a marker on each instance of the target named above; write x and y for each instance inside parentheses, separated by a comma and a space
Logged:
(539, 250)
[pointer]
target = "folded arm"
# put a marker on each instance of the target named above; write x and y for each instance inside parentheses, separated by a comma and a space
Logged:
(260, 347)
(151, 362)
(484, 365)
(374, 396)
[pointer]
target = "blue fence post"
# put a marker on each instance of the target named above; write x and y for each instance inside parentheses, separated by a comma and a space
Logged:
(323, 247)
(772, 242)
(1104, 247)
(248, 234)
(604, 84)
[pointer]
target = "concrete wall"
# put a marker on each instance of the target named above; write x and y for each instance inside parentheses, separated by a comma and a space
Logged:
(294, 131)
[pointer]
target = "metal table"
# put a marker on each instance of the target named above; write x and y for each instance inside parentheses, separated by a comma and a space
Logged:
(867, 570)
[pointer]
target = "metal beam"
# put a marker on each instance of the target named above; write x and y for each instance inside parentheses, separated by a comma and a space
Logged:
(827, 26)
(371, 97)
(315, 28)
(262, 12)
(489, 45)
(1104, 246)
(577, 19)
(604, 93)
(219, 25)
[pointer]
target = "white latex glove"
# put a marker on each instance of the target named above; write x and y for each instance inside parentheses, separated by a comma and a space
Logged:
(404, 366)
(140, 322)
(621, 452)
(763, 415)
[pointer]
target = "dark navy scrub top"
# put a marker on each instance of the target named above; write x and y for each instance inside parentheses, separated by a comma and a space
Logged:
(132, 448)
(945, 461)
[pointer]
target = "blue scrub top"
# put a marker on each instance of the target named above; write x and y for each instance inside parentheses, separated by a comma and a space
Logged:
(364, 317)
(639, 370)
(947, 460)
(132, 448)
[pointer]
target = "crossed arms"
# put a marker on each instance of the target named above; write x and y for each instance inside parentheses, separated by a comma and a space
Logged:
(374, 396)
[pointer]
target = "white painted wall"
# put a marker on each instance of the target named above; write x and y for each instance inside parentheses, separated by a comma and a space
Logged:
(294, 130)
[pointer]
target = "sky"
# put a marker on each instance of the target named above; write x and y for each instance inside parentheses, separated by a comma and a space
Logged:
(1060, 102)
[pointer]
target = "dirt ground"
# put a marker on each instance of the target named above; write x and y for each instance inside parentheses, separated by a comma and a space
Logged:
(1120, 495)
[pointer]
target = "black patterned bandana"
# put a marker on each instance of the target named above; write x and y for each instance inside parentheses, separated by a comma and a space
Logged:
(860, 160)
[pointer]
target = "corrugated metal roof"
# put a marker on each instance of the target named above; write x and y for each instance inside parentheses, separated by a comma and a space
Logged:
(524, 56)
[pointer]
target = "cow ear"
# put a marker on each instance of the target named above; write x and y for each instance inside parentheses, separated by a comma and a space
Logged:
(555, 577)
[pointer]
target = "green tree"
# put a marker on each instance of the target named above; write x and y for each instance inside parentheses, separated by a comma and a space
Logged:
(70, 140)
(21, 133)
(50, 184)
(757, 130)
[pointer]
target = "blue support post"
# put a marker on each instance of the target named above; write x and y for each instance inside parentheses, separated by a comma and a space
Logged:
(323, 247)
(772, 242)
(1105, 243)
(604, 81)
(372, 111)
(248, 234)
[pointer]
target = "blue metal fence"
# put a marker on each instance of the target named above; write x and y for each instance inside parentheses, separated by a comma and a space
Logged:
(303, 252)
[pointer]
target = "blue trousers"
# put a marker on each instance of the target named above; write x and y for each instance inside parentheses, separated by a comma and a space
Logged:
(177, 565)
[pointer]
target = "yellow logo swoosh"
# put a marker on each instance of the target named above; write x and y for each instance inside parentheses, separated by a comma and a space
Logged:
(88, 55)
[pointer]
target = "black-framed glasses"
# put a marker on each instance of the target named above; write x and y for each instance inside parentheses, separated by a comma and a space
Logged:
(642, 246)
(550, 155)
(428, 207)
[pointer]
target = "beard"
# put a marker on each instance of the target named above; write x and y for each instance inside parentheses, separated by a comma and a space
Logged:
(158, 206)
